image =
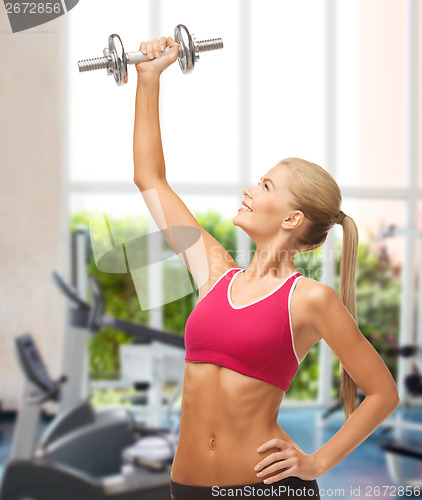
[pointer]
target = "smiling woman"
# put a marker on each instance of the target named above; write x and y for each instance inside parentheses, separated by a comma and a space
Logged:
(251, 328)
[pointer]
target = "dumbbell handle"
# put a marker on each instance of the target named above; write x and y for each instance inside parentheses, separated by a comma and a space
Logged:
(202, 46)
(137, 56)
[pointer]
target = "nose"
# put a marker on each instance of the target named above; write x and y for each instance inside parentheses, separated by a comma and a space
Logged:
(246, 192)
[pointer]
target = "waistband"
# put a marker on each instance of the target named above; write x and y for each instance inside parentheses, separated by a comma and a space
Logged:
(278, 489)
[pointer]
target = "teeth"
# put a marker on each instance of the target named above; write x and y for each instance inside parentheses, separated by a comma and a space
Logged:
(243, 206)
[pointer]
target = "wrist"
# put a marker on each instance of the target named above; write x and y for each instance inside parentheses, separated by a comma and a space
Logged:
(320, 466)
(145, 74)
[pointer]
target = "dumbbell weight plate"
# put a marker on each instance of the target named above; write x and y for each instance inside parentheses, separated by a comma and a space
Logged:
(187, 48)
(117, 52)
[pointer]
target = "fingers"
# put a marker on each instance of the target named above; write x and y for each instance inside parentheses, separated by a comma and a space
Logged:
(154, 47)
(273, 443)
(163, 43)
(269, 460)
(279, 467)
(288, 470)
(171, 42)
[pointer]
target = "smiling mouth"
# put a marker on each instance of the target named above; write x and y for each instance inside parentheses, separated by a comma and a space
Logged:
(245, 209)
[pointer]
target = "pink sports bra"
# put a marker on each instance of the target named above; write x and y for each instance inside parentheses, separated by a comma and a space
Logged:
(255, 339)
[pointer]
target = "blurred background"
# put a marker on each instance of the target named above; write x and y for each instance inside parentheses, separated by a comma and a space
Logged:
(334, 82)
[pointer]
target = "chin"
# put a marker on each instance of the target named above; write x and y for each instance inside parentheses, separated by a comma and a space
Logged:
(239, 224)
(235, 221)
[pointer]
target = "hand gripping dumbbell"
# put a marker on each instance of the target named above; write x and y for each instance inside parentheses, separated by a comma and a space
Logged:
(115, 59)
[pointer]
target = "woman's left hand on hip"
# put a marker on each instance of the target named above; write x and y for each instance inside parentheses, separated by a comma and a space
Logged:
(290, 460)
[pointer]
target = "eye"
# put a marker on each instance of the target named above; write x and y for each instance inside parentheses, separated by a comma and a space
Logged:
(265, 185)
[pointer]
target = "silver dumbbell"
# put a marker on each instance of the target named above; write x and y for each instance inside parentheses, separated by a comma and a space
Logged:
(115, 59)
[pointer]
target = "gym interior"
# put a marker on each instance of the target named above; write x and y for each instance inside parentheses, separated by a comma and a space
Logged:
(89, 333)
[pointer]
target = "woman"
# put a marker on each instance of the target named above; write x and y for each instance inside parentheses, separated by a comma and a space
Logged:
(248, 332)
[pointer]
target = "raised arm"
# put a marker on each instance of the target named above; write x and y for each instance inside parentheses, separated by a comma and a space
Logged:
(148, 157)
(201, 253)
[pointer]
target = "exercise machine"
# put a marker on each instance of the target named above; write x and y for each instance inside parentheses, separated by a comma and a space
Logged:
(91, 318)
(83, 464)
(86, 319)
(115, 58)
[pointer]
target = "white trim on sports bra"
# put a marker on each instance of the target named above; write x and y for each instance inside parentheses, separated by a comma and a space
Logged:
(231, 269)
(290, 316)
(255, 301)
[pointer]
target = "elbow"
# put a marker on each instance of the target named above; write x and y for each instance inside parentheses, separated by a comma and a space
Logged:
(395, 404)
(393, 400)
(140, 185)
(388, 404)
(148, 182)
(395, 396)
(389, 400)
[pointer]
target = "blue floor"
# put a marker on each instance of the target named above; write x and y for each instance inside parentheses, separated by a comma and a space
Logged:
(364, 470)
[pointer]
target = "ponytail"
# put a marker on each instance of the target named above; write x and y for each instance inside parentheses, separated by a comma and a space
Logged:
(347, 293)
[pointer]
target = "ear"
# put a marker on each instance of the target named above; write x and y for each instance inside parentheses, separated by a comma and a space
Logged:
(293, 220)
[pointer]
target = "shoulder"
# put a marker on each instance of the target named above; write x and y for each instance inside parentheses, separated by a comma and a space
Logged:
(313, 299)
(316, 293)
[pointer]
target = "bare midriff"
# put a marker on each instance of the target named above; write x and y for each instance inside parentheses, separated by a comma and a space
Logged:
(225, 417)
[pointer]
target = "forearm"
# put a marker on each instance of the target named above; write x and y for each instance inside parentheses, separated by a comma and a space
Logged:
(367, 417)
(148, 157)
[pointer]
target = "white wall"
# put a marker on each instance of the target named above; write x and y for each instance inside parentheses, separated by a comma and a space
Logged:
(33, 195)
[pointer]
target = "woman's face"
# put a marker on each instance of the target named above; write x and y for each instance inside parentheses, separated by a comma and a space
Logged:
(270, 202)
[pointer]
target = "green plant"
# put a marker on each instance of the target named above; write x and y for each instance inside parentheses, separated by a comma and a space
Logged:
(378, 297)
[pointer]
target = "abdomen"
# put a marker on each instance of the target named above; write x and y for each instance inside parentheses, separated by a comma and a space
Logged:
(225, 417)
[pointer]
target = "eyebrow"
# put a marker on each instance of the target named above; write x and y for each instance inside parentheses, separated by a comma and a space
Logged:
(269, 180)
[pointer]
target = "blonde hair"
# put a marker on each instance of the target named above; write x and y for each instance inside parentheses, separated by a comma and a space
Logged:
(317, 195)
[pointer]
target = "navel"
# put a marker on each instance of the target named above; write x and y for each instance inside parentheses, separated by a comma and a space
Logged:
(212, 444)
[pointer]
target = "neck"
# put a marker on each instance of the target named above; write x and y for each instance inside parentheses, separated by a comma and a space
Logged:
(271, 263)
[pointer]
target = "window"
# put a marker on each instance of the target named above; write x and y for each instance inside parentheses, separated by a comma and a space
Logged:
(325, 81)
